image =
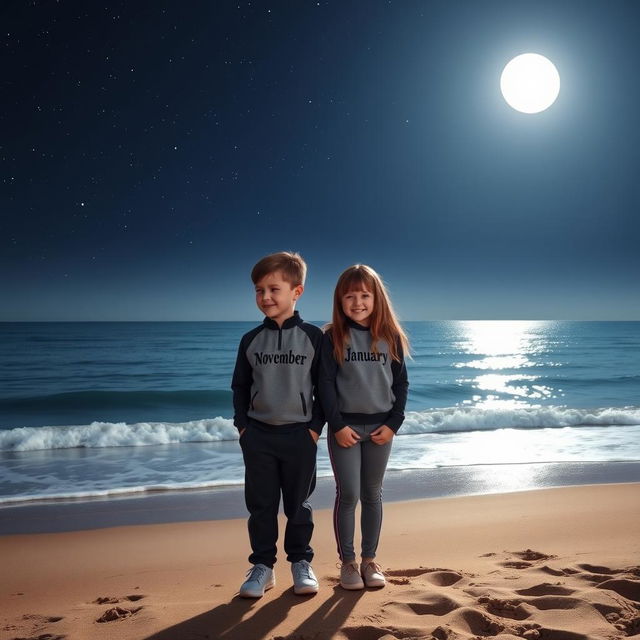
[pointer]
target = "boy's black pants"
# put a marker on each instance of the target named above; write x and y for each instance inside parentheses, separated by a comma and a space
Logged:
(279, 458)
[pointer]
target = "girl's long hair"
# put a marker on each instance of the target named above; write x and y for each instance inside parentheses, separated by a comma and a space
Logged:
(384, 322)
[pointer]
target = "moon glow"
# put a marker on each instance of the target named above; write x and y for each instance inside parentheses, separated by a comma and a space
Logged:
(530, 83)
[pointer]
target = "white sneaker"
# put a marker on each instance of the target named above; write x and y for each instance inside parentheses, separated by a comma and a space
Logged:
(350, 577)
(372, 574)
(304, 580)
(259, 579)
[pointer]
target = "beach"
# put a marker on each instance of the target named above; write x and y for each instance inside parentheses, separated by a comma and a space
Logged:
(546, 564)
(511, 497)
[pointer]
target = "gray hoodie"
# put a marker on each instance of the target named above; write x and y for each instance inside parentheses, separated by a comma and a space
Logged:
(276, 375)
(366, 387)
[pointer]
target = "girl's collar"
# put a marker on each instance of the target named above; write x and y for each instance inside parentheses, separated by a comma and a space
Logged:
(354, 325)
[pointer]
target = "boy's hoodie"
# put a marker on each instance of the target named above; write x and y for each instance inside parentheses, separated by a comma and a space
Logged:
(276, 373)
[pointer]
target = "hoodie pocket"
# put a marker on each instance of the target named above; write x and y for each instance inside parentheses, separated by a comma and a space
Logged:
(304, 404)
(253, 397)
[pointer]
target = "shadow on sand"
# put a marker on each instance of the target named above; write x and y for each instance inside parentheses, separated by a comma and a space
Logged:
(226, 622)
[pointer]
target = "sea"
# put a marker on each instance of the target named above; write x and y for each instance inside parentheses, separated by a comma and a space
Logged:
(113, 409)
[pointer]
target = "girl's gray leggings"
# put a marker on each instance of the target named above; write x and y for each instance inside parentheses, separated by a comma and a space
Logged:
(359, 471)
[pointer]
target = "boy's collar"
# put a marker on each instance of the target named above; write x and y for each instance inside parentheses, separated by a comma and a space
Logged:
(293, 321)
(354, 325)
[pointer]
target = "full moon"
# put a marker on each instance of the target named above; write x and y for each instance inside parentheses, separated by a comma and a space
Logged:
(530, 83)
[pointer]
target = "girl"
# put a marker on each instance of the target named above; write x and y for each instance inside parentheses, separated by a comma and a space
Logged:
(363, 389)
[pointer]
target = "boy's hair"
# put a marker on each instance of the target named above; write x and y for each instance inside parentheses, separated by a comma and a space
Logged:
(384, 322)
(290, 264)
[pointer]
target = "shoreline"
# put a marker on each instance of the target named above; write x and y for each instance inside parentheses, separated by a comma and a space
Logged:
(225, 503)
(549, 564)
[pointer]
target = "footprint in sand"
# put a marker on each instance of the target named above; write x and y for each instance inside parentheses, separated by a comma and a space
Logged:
(432, 605)
(546, 603)
(620, 581)
(546, 589)
(593, 568)
(410, 573)
(560, 634)
(116, 600)
(468, 620)
(437, 577)
(527, 558)
(366, 632)
(399, 581)
(629, 589)
(117, 613)
(34, 617)
(558, 572)
(105, 600)
(531, 556)
(510, 613)
(505, 608)
(516, 564)
(40, 620)
(630, 627)
(37, 621)
(42, 636)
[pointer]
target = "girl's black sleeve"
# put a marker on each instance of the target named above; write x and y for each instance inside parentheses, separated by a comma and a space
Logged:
(400, 388)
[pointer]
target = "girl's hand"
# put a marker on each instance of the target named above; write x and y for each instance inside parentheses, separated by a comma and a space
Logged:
(314, 435)
(382, 435)
(346, 437)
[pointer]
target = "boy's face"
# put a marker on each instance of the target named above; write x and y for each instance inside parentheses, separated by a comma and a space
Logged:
(276, 297)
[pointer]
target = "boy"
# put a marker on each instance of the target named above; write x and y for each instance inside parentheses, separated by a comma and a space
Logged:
(279, 421)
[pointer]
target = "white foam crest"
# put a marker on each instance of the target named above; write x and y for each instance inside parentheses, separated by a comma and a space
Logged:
(446, 420)
(117, 434)
(459, 419)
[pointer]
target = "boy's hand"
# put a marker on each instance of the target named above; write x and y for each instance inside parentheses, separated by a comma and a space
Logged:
(382, 435)
(314, 435)
(346, 437)
(242, 431)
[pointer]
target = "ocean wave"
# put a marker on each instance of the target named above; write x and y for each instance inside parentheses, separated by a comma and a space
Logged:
(461, 419)
(116, 434)
(446, 420)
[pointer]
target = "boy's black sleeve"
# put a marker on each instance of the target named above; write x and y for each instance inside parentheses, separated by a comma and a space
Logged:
(317, 414)
(400, 388)
(327, 385)
(241, 386)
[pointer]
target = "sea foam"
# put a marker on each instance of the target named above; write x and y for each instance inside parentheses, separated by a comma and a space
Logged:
(446, 420)
(116, 434)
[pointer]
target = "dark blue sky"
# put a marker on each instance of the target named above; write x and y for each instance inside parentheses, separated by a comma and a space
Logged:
(151, 152)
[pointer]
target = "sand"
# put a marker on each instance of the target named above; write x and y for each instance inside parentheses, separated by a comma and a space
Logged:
(552, 564)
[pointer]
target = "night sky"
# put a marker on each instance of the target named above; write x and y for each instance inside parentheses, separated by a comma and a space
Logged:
(152, 151)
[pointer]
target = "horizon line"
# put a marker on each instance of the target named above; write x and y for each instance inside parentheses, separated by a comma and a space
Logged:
(325, 321)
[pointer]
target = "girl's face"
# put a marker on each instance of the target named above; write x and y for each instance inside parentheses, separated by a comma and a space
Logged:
(358, 306)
